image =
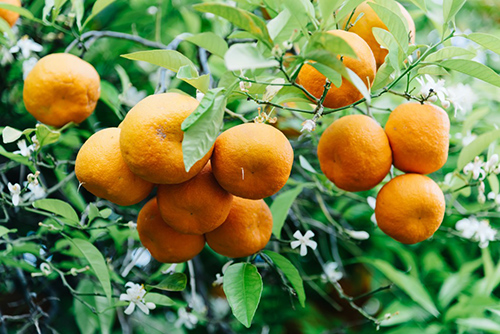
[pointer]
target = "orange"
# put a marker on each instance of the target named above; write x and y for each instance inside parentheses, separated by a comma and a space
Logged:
(410, 208)
(363, 27)
(354, 153)
(196, 206)
(61, 88)
(246, 231)
(252, 160)
(163, 242)
(101, 170)
(419, 137)
(151, 138)
(337, 97)
(8, 15)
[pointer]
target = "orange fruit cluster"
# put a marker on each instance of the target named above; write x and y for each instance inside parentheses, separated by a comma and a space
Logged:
(219, 200)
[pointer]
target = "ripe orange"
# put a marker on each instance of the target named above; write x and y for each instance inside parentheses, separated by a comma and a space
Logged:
(246, 231)
(8, 15)
(151, 138)
(163, 242)
(252, 160)
(419, 137)
(101, 170)
(410, 208)
(370, 20)
(196, 206)
(61, 88)
(337, 97)
(354, 153)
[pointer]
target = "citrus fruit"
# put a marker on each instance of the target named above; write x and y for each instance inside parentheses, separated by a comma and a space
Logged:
(163, 242)
(252, 160)
(61, 88)
(419, 137)
(101, 170)
(196, 206)
(354, 153)
(369, 20)
(313, 81)
(410, 208)
(8, 15)
(246, 230)
(151, 138)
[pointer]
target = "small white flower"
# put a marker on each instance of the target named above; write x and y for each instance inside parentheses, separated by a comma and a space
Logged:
(484, 234)
(372, 202)
(445, 104)
(245, 85)
(186, 319)
(5, 56)
(219, 280)
(33, 178)
(273, 89)
(331, 273)
(131, 96)
(495, 197)
(26, 45)
(467, 227)
(28, 66)
(15, 192)
(492, 165)
(24, 149)
(303, 241)
(429, 87)
(135, 295)
(152, 10)
(462, 97)
(468, 138)
(308, 125)
(197, 303)
(476, 168)
(131, 225)
(359, 235)
(35, 192)
(36, 144)
(277, 51)
(199, 95)
(287, 45)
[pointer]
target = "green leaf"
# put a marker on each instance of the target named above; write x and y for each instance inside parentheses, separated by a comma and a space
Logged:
(475, 148)
(383, 76)
(482, 324)
(387, 40)
(456, 283)
(347, 9)
(46, 136)
(199, 82)
(409, 284)
(244, 56)
(488, 41)
(57, 207)
(334, 44)
(10, 135)
(306, 165)
(97, 263)
(432, 70)
(16, 157)
(332, 75)
(210, 42)
(4, 231)
(79, 9)
(243, 289)
(474, 69)
(451, 8)
(159, 299)
(302, 12)
(169, 59)
(110, 96)
(5, 28)
(20, 10)
(173, 282)
(420, 4)
(281, 206)
(473, 118)
(98, 7)
(449, 52)
(358, 83)
(93, 212)
(326, 8)
(86, 321)
(291, 273)
(395, 22)
(240, 18)
(494, 184)
(202, 127)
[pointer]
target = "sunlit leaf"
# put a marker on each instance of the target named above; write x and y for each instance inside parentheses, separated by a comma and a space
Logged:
(281, 206)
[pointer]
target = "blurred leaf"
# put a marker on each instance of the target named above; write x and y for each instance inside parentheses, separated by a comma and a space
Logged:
(173, 282)
(5, 28)
(302, 11)
(494, 185)
(488, 41)
(480, 323)
(10, 135)
(202, 127)
(170, 59)
(332, 75)
(456, 283)
(290, 272)
(57, 207)
(432, 70)
(306, 165)
(46, 136)
(473, 118)
(247, 56)
(474, 69)
(383, 76)
(475, 148)
(387, 40)
(243, 289)
(347, 8)
(449, 52)
(98, 7)
(420, 4)
(158, 299)
(201, 83)
(93, 212)
(395, 22)
(334, 44)
(4, 231)
(17, 158)
(97, 263)
(86, 320)
(110, 96)
(281, 206)
(20, 10)
(210, 42)
(358, 83)
(451, 8)
(79, 10)
(326, 8)
(240, 18)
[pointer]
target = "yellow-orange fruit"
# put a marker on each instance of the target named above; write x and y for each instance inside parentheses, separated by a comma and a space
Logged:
(163, 242)
(365, 68)
(61, 88)
(252, 160)
(8, 15)
(101, 170)
(246, 231)
(151, 138)
(363, 27)
(419, 137)
(354, 153)
(196, 206)
(410, 208)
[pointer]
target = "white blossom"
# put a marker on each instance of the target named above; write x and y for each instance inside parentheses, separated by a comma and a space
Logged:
(5, 56)
(277, 51)
(429, 87)
(476, 168)
(467, 227)
(308, 125)
(484, 234)
(332, 273)
(24, 149)
(135, 295)
(28, 66)
(36, 143)
(15, 192)
(303, 241)
(131, 225)
(33, 178)
(287, 45)
(372, 202)
(26, 46)
(359, 235)
(131, 96)
(495, 197)
(273, 89)
(219, 279)
(462, 97)
(186, 319)
(35, 192)
(197, 303)
(152, 10)
(492, 165)
(467, 139)
(245, 85)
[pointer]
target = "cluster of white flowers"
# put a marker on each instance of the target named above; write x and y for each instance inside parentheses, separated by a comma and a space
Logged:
(186, 319)
(331, 272)
(26, 150)
(303, 241)
(25, 46)
(476, 230)
(245, 86)
(35, 190)
(135, 295)
(480, 170)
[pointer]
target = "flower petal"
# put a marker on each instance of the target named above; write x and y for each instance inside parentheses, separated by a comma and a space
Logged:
(297, 234)
(303, 250)
(143, 307)
(311, 243)
(130, 309)
(295, 244)
(125, 297)
(309, 234)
